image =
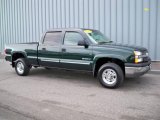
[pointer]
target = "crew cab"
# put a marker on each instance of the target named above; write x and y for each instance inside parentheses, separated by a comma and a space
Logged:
(83, 50)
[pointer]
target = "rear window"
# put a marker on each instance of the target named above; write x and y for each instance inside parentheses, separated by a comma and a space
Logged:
(53, 38)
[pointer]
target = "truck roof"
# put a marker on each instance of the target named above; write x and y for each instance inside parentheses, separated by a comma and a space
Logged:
(68, 29)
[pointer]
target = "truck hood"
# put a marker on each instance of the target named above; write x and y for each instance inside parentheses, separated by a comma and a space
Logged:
(123, 46)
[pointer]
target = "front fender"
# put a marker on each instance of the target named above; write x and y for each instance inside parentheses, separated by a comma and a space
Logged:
(109, 56)
(113, 56)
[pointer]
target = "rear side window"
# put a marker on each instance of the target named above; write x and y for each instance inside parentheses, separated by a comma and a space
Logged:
(72, 38)
(53, 38)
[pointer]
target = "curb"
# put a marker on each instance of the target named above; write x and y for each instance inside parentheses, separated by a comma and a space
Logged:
(157, 72)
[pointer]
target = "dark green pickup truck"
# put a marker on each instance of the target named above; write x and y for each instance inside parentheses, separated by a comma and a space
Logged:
(83, 50)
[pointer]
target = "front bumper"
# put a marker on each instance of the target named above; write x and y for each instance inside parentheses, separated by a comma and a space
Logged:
(136, 71)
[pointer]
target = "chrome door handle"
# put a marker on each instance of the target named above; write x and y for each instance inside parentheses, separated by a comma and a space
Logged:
(44, 49)
(63, 50)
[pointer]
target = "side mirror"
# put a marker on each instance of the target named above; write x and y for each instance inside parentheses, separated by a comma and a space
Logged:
(82, 43)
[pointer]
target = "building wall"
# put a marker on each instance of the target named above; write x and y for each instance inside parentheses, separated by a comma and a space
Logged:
(135, 22)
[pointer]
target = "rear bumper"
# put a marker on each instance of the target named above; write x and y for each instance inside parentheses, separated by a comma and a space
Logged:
(135, 70)
(8, 58)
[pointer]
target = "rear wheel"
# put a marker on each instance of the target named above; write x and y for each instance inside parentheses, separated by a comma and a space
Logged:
(110, 75)
(21, 67)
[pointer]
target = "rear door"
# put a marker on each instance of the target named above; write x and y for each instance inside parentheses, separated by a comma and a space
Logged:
(49, 50)
(74, 56)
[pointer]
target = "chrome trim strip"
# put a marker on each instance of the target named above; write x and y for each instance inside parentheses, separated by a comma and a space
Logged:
(48, 59)
(65, 61)
(32, 57)
(75, 61)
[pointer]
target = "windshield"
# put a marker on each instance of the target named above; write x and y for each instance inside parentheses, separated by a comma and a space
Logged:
(97, 37)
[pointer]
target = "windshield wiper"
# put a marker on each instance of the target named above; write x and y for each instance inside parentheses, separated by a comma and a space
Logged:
(104, 42)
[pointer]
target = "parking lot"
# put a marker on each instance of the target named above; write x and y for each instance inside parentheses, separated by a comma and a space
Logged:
(64, 95)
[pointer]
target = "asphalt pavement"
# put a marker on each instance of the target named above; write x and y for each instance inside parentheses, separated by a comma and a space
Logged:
(67, 95)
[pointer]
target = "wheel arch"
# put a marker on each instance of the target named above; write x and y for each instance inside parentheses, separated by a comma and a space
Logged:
(16, 55)
(98, 62)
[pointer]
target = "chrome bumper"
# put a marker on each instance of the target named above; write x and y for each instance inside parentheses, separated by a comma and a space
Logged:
(136, 71)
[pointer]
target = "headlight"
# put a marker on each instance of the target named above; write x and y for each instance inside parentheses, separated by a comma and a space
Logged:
(138, 56)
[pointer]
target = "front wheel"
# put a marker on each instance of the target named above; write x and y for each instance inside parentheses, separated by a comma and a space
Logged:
(21, 67)
(110, 75)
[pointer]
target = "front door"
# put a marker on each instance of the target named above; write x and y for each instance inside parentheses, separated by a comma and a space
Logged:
(74, 56)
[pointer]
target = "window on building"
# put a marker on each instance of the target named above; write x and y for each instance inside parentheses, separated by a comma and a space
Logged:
(53, 38)
(72, 38)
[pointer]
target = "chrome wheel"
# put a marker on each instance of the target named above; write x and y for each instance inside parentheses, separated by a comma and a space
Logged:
(109, 76)
(20, 68)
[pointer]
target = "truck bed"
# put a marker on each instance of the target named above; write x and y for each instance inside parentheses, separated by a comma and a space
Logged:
(29, 50)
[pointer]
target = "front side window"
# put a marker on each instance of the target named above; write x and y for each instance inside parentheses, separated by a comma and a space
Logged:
(53, 38)
(72, 38)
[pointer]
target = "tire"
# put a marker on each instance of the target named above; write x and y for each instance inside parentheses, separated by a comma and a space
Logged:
(110, 75)
(22, 68)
